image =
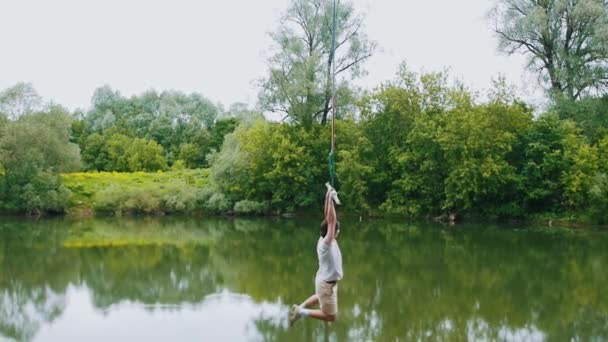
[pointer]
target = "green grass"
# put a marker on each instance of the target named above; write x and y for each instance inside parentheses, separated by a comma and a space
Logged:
(85, 185)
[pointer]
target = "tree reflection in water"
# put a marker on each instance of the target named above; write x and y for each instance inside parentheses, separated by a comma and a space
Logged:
(409, 282)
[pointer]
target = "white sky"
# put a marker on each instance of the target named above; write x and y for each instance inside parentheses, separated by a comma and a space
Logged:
(67, 48)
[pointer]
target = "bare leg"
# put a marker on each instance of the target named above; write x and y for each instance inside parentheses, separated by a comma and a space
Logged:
(312, 300)
(317, 314)
(322, 316)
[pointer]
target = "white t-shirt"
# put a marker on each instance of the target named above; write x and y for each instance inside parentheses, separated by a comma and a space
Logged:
(330, 261)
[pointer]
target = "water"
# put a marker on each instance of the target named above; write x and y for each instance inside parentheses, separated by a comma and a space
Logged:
(233, 280)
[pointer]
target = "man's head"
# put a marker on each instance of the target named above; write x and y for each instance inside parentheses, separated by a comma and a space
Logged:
(324, 228)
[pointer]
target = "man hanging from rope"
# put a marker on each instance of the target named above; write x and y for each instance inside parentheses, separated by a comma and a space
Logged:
(330, 268)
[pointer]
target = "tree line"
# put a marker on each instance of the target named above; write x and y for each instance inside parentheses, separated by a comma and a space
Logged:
(420, 145)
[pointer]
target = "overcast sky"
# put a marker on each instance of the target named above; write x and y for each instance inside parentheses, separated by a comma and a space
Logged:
(67, 48)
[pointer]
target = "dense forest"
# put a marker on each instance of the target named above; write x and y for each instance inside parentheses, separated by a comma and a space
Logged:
(421, 145)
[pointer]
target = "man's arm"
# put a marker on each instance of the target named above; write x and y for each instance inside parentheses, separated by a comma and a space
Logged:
(330, 217)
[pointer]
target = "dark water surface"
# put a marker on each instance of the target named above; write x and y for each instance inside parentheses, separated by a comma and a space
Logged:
(233, 280)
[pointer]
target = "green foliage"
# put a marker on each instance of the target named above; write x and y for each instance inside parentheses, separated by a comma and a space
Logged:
(175, 191)
(194, 153)
(420, 146)
(44, 192)
(219, 130)
(119, 152)
(33, 149)
(138, 192)
(539, 156)
(79, 131)
(277, 164)
(228, 167)
(598, 198)
(145, 155)
(285, 166)
(402, 120)
(589, 113)
(218, 203)
(602, 150)
(19, 100)
(436, 150)
(566, 41)
(583, 165)
(171, 119)
(476, 143)
(354, 152)
(250, 207)
(299, 78)
(119, 200)
(281, 169)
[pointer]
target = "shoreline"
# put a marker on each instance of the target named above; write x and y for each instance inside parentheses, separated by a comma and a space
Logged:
(85, 213)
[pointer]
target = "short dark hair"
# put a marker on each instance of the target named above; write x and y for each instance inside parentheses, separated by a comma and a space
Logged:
(324, 227)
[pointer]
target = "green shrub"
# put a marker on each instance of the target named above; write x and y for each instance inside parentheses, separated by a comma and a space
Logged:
(174, 196)
(111, 199)
(598, 196)
(45, 193)
(250, 207)
(119, 201)
(179, 197)
(143, 201)
(218, 202)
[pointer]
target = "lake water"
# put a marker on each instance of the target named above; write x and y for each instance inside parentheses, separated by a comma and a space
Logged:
(207, 279)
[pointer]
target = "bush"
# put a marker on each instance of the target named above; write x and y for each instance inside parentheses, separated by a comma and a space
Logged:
(178, 197)
(44, 193)
(173, 197)
(218, 203)
(111, 200)
(33, 149)
(266, 162)
(250, 207)
(598, 196)
(119, 152)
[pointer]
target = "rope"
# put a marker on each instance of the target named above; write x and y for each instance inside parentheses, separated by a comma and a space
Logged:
(332, 167)
(332, 155)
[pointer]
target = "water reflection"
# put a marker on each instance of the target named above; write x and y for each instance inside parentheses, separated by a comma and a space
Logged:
(169, 279)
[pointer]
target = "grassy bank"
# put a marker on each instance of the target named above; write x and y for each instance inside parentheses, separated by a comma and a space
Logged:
(138, 192)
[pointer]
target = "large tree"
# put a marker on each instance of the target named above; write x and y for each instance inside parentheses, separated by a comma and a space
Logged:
(20, 99)
(298, 84)
(33, 150)
(566, 40)
(170, 118)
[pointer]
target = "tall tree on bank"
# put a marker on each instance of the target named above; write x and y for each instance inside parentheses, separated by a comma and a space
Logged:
(298, 84)
(19, 100)
(567, 41)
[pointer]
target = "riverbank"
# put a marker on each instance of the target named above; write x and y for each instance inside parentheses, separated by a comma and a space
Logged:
(190, 192)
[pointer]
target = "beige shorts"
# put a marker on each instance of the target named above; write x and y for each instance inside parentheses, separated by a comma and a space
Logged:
(328, 297)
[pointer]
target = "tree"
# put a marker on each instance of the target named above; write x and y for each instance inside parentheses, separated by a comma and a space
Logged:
(539, 151)
(19, 99)
(219, 130)
(120, 152)
(170, 118)
(145, 155)
(33, 150)
(588, 112)
(566, 41)
(95, 156)
(241, 111)
(402, 120)
(298, 84)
